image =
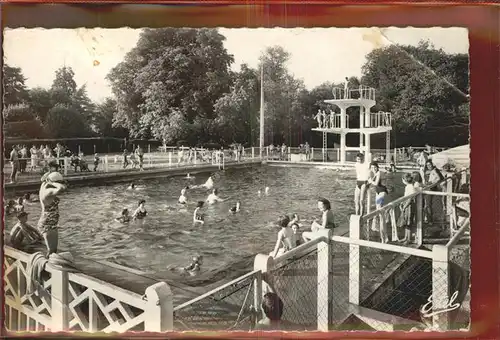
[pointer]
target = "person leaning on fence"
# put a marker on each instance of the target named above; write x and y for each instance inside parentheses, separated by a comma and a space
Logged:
(272, 306)
(408, 208)
(431, 177)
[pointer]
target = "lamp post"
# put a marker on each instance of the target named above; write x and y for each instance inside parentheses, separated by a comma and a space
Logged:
(261, 148)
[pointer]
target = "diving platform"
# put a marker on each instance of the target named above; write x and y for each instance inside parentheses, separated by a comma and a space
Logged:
(370, 123)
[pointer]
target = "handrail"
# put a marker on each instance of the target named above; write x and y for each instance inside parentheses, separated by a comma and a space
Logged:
(404, 198)
(454, 240)
(384, 246)
(207, 294)
(300, 250)
(452, 194)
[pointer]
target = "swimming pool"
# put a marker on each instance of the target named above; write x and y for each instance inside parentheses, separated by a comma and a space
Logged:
(166, 238)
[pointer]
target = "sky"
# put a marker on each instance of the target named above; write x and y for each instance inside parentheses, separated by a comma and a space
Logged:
(317, 54)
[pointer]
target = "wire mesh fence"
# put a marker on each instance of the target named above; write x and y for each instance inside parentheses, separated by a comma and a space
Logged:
(230, 308)
(296, 283)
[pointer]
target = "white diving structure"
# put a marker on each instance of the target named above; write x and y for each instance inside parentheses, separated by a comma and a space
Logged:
(370, 122)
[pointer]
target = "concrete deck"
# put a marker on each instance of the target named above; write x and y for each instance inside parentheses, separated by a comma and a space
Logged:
(99, 178)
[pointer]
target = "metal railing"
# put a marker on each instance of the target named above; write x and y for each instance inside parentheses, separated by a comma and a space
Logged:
(362, 92)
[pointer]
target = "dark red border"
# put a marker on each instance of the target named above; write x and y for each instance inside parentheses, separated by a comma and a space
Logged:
(483, 23)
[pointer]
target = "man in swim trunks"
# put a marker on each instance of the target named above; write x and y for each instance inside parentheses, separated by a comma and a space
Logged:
(362, 175)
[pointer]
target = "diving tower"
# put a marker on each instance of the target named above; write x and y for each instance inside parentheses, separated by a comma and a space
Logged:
(370, 123)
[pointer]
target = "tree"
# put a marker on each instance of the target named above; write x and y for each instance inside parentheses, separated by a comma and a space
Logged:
(64, 82)
(425, 89)
(65, 122)
(104, 120)
(238, 110)
(40, 102)
(20, 121)
(169, 81)
(14, 87)
(281, 96)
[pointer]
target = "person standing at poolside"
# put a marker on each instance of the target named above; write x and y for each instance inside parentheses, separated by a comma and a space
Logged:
(14, 162)
(49, 219)
(362, 174)
(375, 181)
(431, 176)
(140, 154)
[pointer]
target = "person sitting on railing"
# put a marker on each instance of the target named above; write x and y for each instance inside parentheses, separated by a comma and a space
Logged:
(272, 306)
(286, 238)
(326, 220)
(431, 175)
(375, 181)
(23, 233)
(408, 208)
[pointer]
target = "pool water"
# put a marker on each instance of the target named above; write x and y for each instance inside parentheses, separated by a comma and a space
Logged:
(166, 239)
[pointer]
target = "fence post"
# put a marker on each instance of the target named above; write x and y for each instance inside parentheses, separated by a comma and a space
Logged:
(170, 158)
(449, 198)
(60, 298)
(440, 286)
(312, 154)
(324, 312)
(159, 312)
(267, 151)
(419, 218)
(264, 263)
(463, 177)
(66, 163)
(253, 152)
(106, 161)
(289, 155)
(338, 155)
(354, 260)
(195, 160)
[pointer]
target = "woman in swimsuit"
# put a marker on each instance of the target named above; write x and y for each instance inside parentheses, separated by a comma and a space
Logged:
(295, 225)
(432, 175)
(286, 238)
(49, 219)
(198, 216)
(140, 212)
(381, 191)
(326, 220)
(362, 174)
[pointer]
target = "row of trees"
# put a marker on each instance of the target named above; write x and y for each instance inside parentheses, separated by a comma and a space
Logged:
(62, 111)
(177, 85)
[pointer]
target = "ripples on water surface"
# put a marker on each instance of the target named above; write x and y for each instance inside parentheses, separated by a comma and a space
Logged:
(166, 238)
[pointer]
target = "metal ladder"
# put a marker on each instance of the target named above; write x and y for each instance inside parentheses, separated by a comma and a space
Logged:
(325, 144)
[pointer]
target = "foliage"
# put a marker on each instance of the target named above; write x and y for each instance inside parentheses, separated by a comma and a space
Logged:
(426, 90)
(170, 82)
(65, 122)
(20, 121)
(103, 120)
(14, 87)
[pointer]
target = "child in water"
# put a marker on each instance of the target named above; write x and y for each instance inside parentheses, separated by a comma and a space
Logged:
(19, 207)
(182, 197)
(198, 217)
(23, 233)
(124, 217)
(195, 265)
(236, 208)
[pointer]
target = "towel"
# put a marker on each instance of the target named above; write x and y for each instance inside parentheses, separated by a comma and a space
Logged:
(35, 267)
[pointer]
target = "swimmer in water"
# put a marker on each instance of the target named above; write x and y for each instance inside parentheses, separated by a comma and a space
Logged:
(131, 186)
(182, 197)
(236, 208)
(266, 190)
(198, 216)
(195, 265)
(259, 193)
(19, 207)
(214, 198)
(188, 176)
(140, 212)
(124, 217)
